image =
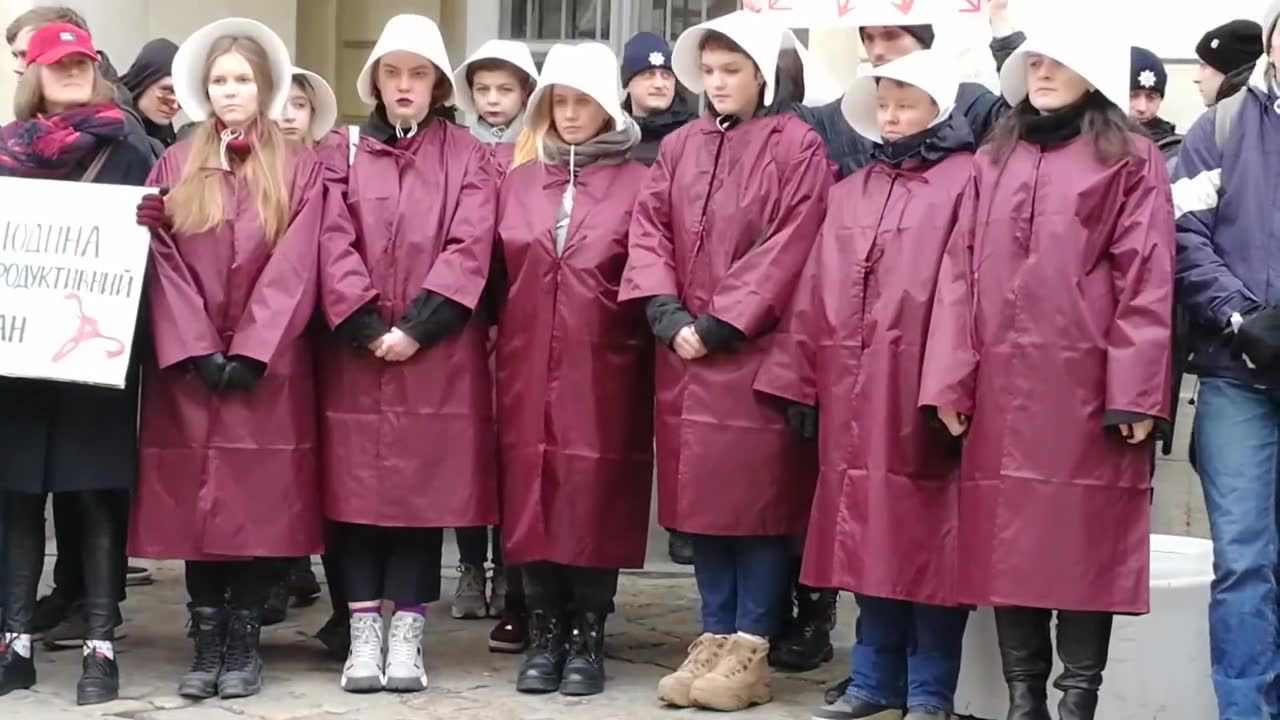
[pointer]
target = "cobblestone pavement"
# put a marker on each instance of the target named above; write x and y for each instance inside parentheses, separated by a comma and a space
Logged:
(656, 620)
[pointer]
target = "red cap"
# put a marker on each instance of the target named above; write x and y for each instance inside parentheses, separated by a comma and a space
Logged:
(55, 41)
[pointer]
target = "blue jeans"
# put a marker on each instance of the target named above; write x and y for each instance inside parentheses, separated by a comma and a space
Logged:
(907, 654)
(744, 582)
(1237, 431)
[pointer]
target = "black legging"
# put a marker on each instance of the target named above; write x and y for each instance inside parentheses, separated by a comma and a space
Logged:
(473, 545)
(68, 530)
(102, 566)
(400, 564)
(569, 588)
(237, 584)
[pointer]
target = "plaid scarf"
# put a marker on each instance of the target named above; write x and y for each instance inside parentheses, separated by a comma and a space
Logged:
(55, 146)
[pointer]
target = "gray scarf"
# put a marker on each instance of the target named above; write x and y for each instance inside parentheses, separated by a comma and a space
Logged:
(610, 147)
(493, 135)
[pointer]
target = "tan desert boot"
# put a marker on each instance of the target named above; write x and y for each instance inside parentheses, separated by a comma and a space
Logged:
(740, 680)
(704, 654)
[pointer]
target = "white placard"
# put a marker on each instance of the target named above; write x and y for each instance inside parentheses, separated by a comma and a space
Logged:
(72, 261)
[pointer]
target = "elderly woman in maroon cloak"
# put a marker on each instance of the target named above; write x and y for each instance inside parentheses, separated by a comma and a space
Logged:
(228, 465)
(718, 237)
(408, 406)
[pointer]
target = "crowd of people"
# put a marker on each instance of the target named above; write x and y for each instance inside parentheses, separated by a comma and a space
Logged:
(916, 343)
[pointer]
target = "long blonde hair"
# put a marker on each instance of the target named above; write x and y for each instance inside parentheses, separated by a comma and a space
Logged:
(196, 201)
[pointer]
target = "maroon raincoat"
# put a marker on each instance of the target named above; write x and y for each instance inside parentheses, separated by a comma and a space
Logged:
(1053, 307)
(408, 444)
(725, 221)
(232, 475)
(575, 373)
(884, 515)
(501, 155)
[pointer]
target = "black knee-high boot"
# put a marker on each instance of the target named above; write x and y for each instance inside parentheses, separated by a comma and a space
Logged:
(1084, 639)
(1026, 654)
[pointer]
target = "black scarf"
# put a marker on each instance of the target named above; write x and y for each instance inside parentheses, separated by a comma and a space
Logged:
(165, 134)
(1159, 129)
(1059, 126)
(379, 128)
(930, 145)
(660, 125)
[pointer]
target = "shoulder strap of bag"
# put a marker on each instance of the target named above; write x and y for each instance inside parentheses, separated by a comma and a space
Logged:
(353, 144)
(96, 166)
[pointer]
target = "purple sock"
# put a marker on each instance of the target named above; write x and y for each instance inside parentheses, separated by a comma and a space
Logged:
(370, 610)
(415, 608)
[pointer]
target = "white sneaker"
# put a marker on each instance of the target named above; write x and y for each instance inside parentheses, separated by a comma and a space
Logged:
(405, 669)
(364, 671)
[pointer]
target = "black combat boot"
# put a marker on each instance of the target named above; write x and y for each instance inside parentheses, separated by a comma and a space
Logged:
(208, 632)
(806, 644)
(584, 670)
(242, 664)
(543, 666)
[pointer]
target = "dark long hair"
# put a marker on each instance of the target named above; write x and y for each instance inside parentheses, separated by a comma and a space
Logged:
(788, 83)
(1105, 124)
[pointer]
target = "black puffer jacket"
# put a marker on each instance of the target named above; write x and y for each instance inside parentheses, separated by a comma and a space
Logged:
(653, 128)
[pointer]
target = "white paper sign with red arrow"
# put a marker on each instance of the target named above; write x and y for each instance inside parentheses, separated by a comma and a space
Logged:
(863, 13)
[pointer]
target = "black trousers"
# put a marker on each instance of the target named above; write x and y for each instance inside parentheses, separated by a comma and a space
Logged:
(400, 564)
(101, 552)
(473, 545)
(237, 584)
(68, 530)
(557, 588)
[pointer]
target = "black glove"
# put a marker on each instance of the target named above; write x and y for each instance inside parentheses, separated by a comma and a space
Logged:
(803, 420)
(242, 373)
(1258, 338)
(432, 317)
(211, 369)
(667, 317)
(362, 327)
(717, 335)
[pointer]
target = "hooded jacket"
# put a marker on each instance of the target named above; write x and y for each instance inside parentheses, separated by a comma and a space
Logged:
(1227, 247)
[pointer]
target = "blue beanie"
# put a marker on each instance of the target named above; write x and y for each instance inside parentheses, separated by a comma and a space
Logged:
(1146, 72)
(644, 51)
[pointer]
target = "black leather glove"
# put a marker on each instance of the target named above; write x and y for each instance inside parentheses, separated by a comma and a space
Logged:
(362, 327)
(667, 317)
(803, 420)
(211, 369)
(1258, 338)
(242, 373)
(717, 335)
(432, 317)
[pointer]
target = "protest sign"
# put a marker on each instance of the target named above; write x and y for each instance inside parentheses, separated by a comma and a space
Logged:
(72, 261)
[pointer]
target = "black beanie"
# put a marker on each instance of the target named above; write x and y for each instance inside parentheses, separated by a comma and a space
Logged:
(1146, 72)
(644, 51)
(1232, 46)
(153, 64)
(922, 33)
